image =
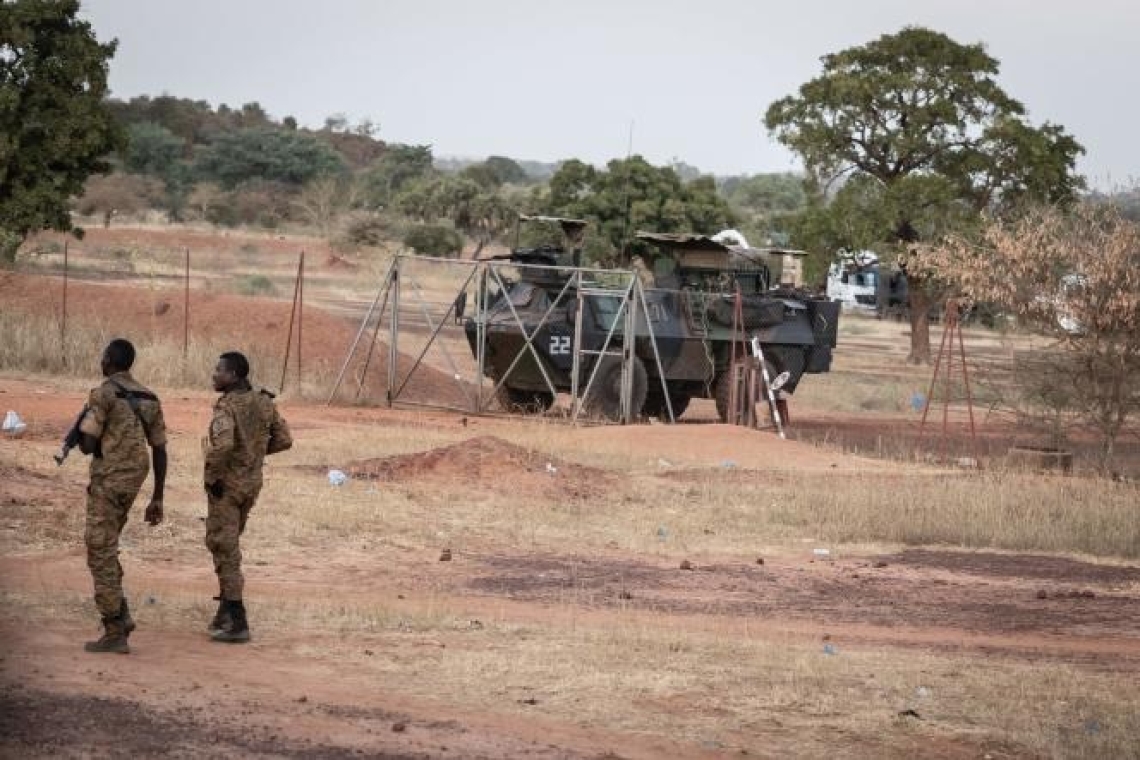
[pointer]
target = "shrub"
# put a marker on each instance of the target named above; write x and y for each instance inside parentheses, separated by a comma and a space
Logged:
(256, 285)
(434, 240)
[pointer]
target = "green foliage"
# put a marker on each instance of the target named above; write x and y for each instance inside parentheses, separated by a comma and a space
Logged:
(765, 195)
(152, 149)
(922, 115)
(54, 128)
(292, 158)
(495, 172)
(366, 229)
(632, 195)
(394, 170)
(458, 199)
(434, 240)
(256, 285)
(920, 140)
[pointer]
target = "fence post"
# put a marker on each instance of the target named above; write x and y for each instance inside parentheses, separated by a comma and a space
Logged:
(63, 313)
(186, 311)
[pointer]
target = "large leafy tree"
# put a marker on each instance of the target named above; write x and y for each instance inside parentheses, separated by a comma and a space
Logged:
(630, 195)
(55, 130)
(398, 166)
(913, 131)
(261, 153)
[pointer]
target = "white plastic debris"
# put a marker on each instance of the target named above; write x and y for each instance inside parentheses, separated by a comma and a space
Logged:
(821, 552)
(551, 468)
(13, 425)
(337, 478)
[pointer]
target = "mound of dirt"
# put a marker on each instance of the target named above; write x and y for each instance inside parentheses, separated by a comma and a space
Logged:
(487, 463)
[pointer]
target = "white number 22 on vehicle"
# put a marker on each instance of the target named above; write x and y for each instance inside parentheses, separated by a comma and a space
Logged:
(559, 344)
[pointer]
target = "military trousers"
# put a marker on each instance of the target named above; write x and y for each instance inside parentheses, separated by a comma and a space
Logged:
(225, 522)
(109, 503)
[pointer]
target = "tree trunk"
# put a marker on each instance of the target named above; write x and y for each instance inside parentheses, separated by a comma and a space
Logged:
(920, 302)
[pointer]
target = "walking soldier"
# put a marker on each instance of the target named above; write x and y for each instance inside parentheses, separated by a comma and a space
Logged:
(245, 428)
(121, 418)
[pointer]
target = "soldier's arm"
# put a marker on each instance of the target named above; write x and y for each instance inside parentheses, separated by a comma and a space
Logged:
(221, 445)
(280, 438)
(94, 420)
(156, 437)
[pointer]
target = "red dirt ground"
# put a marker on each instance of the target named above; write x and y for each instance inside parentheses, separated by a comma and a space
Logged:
(175, 695)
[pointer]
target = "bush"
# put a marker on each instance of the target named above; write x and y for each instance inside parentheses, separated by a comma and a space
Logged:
(434, 240)
(370, 230)
(256, 285)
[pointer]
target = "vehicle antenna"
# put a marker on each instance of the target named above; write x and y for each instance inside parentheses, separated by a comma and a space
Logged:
(623, 257)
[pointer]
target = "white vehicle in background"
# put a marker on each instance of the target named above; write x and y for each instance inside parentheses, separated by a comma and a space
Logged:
(853, 280)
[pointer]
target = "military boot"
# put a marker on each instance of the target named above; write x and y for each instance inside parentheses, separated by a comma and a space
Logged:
(238, 630)
(114, 638)
(221, 619)
(125, 615)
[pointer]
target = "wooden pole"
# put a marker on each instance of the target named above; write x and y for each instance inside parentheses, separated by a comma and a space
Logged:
(186, 310)
(63, 313)
(300, 314)
(289, 335)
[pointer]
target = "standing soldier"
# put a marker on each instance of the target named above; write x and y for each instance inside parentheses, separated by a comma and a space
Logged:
(643, 272)
(120, 419)
(246, 427)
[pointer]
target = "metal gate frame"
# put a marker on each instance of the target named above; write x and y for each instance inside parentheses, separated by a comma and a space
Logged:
(392, 292)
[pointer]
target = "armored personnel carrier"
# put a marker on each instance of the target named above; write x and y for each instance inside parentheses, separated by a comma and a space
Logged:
(690, 285)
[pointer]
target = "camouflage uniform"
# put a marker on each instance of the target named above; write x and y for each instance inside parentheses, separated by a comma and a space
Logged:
(116, 476)
(246, 427)
(643, 272)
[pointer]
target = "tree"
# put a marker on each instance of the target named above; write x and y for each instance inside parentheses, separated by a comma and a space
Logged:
(55, 130)
(396, 167)
(1073, 276)
(630, 195)
(117, 194)
(261, 153)
(922, 118)
(152, 149)
(434, 240)
(324, 199)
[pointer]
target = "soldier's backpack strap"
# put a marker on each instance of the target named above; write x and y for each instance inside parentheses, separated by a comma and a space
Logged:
(132, 399)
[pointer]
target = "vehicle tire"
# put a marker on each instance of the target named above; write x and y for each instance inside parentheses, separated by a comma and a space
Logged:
(604, 398)
(655, 403)
(724, 388)
(520, 401)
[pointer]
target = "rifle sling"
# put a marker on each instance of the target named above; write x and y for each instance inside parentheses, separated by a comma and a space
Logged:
(132, 399)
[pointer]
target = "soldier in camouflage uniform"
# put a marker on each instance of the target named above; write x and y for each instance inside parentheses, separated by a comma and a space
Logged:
(121, 418)
(245, 428)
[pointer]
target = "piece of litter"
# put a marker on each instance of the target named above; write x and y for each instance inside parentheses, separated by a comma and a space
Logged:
(821, 552)
(337, 478)
(551, 468)
(13, 425)
(829, 649)
(664, 463)
(728, 464)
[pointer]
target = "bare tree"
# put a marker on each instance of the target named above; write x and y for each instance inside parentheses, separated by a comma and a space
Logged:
(324, 199)
(1074, 276)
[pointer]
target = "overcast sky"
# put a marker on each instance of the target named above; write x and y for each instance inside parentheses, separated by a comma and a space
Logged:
(546, 81)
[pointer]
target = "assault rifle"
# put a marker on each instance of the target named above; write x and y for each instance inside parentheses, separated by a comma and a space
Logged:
(71, 440)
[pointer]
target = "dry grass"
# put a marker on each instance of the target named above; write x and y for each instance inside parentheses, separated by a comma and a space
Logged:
(718, 691)
(31, 344)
